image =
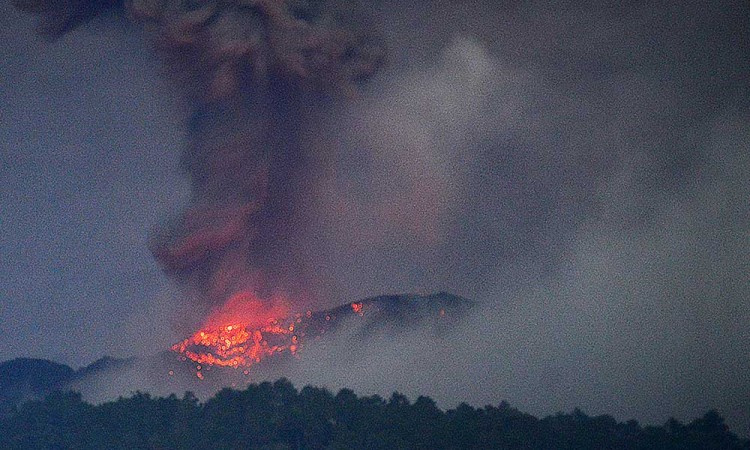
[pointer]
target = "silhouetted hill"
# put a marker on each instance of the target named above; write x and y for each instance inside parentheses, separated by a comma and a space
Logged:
(26, 379)
(23, 379)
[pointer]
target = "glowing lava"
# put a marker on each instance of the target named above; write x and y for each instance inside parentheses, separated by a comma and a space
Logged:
(238, 344)
(243, 332)
(246, 330)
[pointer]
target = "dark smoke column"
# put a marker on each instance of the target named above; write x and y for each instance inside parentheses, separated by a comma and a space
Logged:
(253, 72)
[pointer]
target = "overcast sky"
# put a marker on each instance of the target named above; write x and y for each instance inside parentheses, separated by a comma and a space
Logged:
(582, 171)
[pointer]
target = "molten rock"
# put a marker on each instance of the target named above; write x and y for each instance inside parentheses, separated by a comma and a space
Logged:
(236, 343)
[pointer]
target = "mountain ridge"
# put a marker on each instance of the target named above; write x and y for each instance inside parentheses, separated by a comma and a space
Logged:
(24, 379)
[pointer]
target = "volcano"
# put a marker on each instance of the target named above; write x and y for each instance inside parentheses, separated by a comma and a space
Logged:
(173, 370)
(232, 348)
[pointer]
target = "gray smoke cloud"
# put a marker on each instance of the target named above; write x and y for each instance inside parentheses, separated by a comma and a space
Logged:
(252, 73)
(580, 169)
(252, 70)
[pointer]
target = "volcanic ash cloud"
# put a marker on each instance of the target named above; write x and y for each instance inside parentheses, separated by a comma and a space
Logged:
(254, 73)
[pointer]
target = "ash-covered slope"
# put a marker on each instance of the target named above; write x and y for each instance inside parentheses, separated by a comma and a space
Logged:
(391, 313)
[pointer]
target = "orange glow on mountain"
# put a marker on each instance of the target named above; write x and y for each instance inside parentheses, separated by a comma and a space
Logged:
(245, 309)
(248, 330)
(241, 333)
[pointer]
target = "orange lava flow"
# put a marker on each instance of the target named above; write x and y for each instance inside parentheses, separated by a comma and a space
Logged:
(238, 345)
(241, 333)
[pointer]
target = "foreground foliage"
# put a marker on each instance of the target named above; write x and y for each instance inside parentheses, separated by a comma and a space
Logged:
(277, 416)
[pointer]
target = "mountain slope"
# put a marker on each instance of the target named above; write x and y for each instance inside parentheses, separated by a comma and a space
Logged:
(25, 379)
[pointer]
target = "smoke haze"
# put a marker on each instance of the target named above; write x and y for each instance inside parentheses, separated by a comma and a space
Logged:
(579, 170)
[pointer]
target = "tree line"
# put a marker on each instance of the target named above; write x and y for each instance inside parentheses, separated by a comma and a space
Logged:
(278, 416)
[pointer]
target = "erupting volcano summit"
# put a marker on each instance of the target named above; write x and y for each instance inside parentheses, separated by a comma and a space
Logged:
(240, 344)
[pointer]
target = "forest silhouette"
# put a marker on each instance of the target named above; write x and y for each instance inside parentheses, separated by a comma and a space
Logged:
(278, 416)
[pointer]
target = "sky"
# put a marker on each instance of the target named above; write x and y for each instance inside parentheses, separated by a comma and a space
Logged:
(578, 169)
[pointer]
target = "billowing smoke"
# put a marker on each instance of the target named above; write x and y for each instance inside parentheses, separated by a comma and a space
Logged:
(251, 71)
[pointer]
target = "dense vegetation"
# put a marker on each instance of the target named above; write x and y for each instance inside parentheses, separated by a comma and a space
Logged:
(277, 416)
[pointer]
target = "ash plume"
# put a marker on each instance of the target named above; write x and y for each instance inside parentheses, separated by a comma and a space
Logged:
(252, 71)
